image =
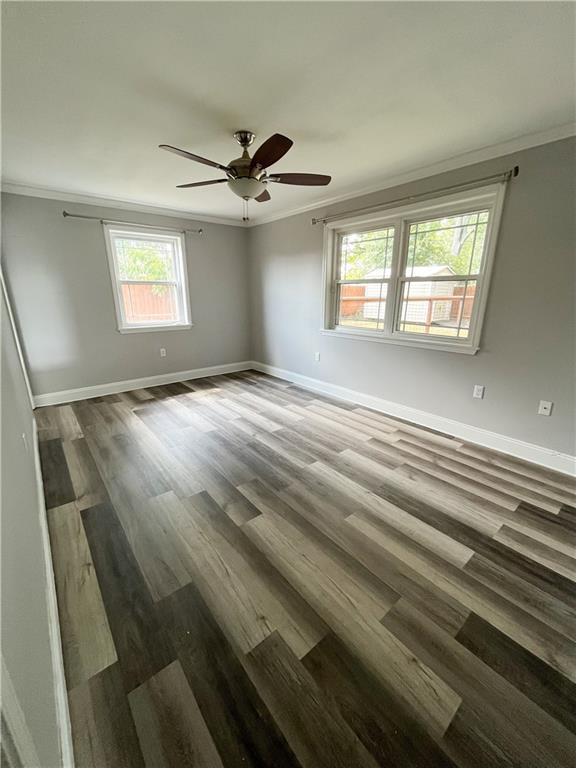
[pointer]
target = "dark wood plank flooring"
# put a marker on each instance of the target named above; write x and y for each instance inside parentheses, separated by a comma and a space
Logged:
(251, 574)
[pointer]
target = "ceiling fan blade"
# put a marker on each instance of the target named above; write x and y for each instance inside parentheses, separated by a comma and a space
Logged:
(271, 151)
(190, 156)
(263, 197)
(304, 179)
(200, 183)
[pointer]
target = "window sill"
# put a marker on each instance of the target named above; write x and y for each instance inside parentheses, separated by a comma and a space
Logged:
(435, 345)
(150, 328)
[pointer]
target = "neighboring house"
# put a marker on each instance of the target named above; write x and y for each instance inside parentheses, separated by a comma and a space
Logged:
(417, 311)
(430, 309)
(429, 302)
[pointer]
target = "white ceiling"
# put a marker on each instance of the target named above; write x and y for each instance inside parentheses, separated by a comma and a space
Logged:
(367, 91)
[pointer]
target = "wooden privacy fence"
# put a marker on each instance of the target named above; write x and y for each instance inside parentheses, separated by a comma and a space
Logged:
(354, 302)
(149, 303)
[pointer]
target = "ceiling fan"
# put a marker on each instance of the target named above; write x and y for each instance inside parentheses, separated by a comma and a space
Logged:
(248, 177)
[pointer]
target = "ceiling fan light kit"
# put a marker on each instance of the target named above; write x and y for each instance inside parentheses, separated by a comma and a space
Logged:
(247, 176)
(247, 187)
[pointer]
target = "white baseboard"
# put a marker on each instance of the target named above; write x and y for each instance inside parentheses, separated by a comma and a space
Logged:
(60, 689)
(112, 388)
(537, 454)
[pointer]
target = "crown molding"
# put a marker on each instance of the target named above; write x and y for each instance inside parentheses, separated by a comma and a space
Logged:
(449, 164)
(49, 193)
(489, 152)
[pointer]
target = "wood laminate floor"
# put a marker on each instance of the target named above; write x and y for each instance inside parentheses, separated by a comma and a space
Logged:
(250, 574)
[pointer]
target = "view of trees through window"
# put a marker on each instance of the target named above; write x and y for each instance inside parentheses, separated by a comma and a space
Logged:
(363, 253)
(148, 273)
(456, 242)
(145, 260)
(436, 250)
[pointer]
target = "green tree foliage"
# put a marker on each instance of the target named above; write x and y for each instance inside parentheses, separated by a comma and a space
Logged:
(456, 242)
(139, 260)
(144, 261)
(365, 252)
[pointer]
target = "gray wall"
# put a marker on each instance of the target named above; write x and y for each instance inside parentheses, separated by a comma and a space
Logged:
(58, 273)
(25, 636)
(527, 349)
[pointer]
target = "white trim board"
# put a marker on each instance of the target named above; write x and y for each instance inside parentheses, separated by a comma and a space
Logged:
(60, 689)
(113, 387)
(545, 457)
(16, 338)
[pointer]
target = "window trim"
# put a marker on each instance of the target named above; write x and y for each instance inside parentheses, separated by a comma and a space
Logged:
(489, 197)
(181, 283)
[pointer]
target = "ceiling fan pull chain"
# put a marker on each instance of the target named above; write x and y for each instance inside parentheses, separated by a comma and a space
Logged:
(245, 216)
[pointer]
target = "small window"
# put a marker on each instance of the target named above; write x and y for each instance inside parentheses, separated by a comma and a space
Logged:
(148, 270)
(416, 275)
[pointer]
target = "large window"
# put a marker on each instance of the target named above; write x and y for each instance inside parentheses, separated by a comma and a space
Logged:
(416, 275)
(148, 270)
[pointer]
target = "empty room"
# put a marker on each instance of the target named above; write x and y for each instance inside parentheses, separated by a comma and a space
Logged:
(288, 384)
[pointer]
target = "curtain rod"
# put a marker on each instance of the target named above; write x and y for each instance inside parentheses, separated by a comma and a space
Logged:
(505, 176)
(129, 223)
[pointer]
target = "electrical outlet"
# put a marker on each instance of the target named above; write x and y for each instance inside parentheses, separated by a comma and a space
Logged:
(478, 391)
(317, 356)
(162, 352)
(545, 408)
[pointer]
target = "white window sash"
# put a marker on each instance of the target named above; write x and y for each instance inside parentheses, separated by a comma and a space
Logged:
(148, 282)
(180, 283)
(489, 198)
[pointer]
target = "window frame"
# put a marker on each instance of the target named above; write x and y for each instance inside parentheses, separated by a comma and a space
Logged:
(387, 281)
(489, 197)
(180, 283)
